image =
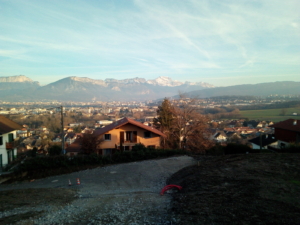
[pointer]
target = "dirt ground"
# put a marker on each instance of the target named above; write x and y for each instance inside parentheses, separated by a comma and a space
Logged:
(239, 189)
(232, 189)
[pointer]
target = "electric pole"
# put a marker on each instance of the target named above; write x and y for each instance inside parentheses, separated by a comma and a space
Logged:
(62, 130)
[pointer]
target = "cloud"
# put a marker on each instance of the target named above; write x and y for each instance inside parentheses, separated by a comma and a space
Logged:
(147, 38)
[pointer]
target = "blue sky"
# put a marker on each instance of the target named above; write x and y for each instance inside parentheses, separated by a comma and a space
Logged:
(222, 42)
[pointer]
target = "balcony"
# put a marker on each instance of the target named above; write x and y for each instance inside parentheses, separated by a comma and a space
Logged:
(9, 145)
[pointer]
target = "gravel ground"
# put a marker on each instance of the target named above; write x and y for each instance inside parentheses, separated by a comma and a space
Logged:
(117, 194)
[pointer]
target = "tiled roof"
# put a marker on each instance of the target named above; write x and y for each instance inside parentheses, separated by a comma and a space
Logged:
(7, 125)
(124, 121)
(290, 124)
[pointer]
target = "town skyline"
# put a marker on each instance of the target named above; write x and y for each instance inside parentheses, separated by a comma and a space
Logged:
(220, 43)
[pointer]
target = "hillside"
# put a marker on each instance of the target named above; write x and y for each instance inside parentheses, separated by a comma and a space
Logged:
(262, 89)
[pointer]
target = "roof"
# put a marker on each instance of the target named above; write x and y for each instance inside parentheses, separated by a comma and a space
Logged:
(125, 121)
(265, 140)
(7, 125)
(288, 125)
(75, 146)
(220, 133)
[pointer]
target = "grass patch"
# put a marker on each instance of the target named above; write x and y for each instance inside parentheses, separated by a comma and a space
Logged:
(270, 114)
(295, 182)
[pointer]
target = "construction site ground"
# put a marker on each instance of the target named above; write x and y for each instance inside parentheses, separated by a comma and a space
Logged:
(232, 189)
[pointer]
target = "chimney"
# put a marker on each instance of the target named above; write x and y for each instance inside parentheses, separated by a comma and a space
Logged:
(295, 122)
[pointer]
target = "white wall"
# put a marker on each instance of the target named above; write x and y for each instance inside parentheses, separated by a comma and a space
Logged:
(3, 150)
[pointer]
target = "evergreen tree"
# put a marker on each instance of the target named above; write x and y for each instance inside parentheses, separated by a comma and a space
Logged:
(164, 121)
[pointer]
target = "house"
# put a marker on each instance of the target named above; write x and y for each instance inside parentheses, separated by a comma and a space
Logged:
(264, 140)
(233, 137)
(220, 136)
(125, 133)
(286, 132)
(71, 137)
(8, 133)
(74, 148)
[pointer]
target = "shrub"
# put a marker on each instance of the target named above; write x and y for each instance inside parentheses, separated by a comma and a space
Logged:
(54, 150)
(138, 147)
(216, 150)
(236, 149)
(57, 164)
(292, 148)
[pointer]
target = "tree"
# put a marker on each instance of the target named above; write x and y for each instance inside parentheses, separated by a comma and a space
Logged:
(164, 120)
(189, 127)
(77, 129)
(283, 112)
(90, 143)
(183, 125)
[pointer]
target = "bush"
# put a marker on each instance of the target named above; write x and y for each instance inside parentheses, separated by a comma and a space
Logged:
(33, 152)
(138, 147)
(292, 148)
(216, 150)
(236, 149)
(52, 165)
(54, 150)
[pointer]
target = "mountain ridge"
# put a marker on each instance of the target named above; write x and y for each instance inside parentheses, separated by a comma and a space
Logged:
(85, 89)
(21, 88)
(260, 89)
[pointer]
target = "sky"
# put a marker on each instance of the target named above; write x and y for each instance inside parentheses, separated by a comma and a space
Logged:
(221, 42)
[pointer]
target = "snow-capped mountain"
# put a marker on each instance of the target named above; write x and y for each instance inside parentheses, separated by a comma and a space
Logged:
(85, 89)
(165, 81)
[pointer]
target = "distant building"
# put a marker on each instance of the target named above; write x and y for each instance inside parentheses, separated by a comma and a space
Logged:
(286, 132)
(8, 133)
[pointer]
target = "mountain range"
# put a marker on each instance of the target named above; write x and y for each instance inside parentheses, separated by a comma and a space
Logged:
(22, 88)
(82, 89)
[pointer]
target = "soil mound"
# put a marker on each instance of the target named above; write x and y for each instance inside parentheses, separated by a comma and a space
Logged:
(239, 189)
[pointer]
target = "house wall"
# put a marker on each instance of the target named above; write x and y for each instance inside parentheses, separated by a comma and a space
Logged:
(286, 135)
(282, 144)
(221, 138)
(5, 153)
(154, 140)
(254, 146)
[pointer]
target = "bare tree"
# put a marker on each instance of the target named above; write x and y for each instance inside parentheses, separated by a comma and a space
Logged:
(90, 143)
(190, 127)
(183, 125)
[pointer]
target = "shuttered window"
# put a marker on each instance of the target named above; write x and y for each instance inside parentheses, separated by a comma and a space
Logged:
(10, 137)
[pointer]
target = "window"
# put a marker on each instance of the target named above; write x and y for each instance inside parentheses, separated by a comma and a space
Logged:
(10, 137)
(1, 140)
(107, 137)
(131, 136)
(147, 134)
